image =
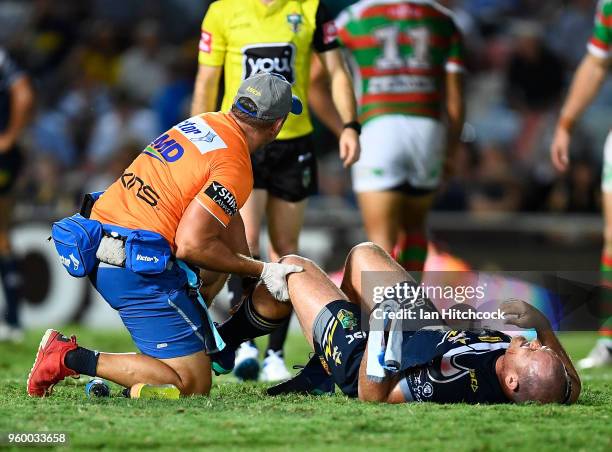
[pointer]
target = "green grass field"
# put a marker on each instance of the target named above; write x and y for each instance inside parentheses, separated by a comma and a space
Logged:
(239, 416)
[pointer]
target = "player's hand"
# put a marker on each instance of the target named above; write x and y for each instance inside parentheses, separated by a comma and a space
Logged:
(274, 277)
(559, 149)
(522, 314)
(350, 149)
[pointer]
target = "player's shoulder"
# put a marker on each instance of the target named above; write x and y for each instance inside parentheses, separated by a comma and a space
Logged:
(365, 8)
(605, 7)
(211, 132)
(223, 8)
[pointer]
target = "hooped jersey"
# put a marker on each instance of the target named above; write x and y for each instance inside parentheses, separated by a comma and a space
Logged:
(247, 36)
(600, 44)
(400, 52)
(204, 158)
(465, 373)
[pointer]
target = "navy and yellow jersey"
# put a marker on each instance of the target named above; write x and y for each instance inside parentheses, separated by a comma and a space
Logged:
(247, 36)
(465, 373)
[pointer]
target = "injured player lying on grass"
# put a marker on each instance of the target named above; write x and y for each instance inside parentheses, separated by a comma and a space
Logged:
(485, 366)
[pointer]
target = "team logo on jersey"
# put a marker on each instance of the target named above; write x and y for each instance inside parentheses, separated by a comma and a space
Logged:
(278, 58)
(223, 198)
(347, 319)
(295, 20)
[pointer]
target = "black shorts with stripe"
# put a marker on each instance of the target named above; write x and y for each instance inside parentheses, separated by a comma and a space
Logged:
(340, 342)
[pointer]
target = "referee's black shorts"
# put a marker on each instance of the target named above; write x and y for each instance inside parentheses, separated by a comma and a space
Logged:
(286, 169)
(11, 163)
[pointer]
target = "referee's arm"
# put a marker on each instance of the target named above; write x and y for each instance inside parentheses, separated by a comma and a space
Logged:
(206, 89)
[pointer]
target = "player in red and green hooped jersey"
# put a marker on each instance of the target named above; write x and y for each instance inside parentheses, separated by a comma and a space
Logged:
(407, 60)
(588, 79)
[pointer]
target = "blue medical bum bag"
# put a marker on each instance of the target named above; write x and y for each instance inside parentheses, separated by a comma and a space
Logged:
(146, 252)
(76, 240)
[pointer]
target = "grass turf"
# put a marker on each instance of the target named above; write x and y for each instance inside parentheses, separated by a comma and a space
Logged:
(240, 416)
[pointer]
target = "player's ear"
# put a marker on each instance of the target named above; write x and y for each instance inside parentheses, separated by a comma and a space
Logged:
(277, 126)
(511, 381)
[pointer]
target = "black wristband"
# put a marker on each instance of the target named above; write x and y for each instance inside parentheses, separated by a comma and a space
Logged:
(355, 125)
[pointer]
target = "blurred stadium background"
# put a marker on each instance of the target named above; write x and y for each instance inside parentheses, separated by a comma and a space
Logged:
(111, 74)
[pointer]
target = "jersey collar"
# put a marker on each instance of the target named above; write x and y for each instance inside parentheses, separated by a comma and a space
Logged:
(272, 8)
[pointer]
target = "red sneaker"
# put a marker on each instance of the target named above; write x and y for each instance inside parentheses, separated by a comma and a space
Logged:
(49, 368)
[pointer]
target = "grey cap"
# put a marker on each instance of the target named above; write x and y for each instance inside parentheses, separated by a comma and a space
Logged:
(271, 94)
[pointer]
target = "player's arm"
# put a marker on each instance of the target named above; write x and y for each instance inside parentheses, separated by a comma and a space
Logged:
(22, 100)
(320, 98)
(211, 58)
(206, 89)
(455, 112)
(325, 43)
(524, 315)
(386, 391)
(200, 241)
(344, 100)
(587, 82)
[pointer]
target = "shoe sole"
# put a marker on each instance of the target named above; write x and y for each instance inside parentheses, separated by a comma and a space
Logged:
(41, 346)
(247, 370)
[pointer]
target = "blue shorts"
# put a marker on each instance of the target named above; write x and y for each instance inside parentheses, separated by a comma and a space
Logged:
(164, 320)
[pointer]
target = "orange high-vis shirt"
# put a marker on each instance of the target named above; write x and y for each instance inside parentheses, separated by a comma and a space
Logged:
(204, 158)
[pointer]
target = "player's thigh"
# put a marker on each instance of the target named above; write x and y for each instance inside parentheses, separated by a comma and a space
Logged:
(162, 317)
(606, 187)
(382, 216)
(6, 207)
(368, 266)
(194, 372)
(415, 209)
(310, 291)
(607, 211)
(382, 163)
(285, 220)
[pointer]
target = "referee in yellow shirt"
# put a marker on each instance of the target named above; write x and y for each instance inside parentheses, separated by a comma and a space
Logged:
(240, 38)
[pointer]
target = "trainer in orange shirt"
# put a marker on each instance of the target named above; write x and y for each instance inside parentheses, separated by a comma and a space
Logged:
(186, 187)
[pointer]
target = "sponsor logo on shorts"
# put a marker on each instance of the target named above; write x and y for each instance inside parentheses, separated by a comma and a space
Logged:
(358, 335)
(162, 345)
(325, 366)
(330, 32)
(222, 197)
(278, 58)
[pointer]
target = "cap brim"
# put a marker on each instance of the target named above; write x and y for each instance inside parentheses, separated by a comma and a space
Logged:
(296, 105)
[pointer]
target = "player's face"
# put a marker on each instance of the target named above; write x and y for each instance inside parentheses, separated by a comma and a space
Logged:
(521, 352)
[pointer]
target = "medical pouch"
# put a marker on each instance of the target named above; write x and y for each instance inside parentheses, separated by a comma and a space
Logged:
(76, 240)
